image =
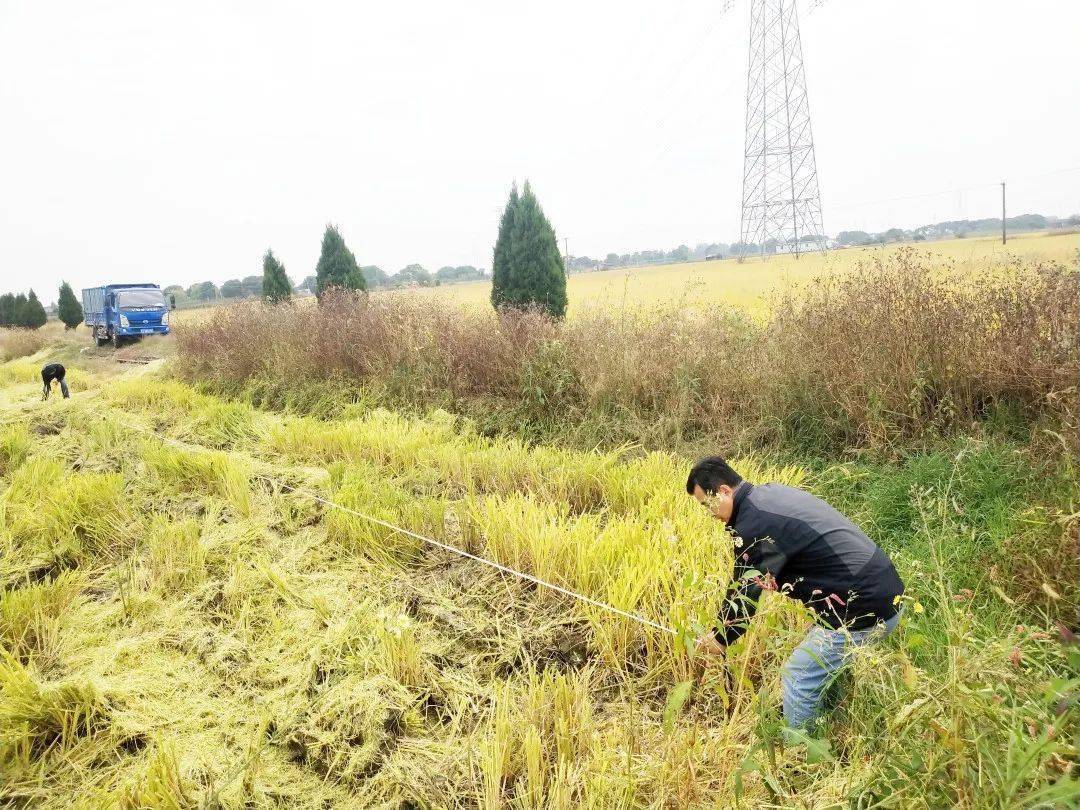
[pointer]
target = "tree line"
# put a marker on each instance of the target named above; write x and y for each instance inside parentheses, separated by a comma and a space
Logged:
(527, 268)
(412, 275)
(22, 310)
(415, 275)
(957, 229)
(25, 310)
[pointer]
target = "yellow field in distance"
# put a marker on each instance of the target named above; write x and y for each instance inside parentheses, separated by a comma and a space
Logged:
(747, 285)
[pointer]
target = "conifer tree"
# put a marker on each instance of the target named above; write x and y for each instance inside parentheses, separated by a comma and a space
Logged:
(68, 308)
(500, 263)
(18, 310)
(527, 269)
(276, 286)
(337, 265)
(7, 309)
(33, 313)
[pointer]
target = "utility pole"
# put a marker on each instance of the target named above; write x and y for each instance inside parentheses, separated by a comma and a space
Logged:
(1003, 212)
(566, 254)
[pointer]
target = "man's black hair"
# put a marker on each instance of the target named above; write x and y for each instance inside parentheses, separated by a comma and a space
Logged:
(710, 473)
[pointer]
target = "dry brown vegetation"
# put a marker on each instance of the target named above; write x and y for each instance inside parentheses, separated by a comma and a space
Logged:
(896, 351)
(15, 343)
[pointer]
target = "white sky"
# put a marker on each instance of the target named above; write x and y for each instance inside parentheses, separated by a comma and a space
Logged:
(174, 142)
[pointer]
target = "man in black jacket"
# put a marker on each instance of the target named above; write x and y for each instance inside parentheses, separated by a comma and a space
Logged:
(792, 542)
(51, 372)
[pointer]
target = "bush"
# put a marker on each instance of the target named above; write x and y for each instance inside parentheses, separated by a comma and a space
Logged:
(893, 354)
(15, 343)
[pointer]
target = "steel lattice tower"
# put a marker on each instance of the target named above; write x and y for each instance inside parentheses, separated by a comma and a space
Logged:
(781, 205)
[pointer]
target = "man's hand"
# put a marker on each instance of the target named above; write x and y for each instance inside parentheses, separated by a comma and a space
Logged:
(707, 644)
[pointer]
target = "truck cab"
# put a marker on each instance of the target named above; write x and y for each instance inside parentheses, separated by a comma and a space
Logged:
(117, 313)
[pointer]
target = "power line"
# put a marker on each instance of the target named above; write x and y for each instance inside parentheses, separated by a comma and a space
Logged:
(956, 190)
(914, 196)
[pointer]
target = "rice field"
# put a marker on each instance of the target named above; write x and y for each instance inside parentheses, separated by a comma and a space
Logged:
(749, 284)
(182, 625)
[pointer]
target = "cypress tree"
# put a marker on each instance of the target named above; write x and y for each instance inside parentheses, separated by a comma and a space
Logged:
(276, 286)
(18, 310)
(500, 262)
(527, 269)
(68, 308)
(337, 265)
(34, 315)
(7, 309)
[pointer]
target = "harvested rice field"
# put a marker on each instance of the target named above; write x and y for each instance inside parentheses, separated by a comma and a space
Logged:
(182, 625)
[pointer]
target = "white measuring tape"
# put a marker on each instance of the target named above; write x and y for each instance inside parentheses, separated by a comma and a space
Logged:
(637, 617)
(497, 566)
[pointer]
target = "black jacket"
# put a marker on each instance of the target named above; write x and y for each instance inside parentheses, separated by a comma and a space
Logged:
(812, 553)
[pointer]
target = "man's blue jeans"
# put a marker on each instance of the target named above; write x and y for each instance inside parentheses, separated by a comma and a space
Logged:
(814, 665)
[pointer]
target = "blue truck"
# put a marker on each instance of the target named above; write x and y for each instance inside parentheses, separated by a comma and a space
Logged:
(117, 313)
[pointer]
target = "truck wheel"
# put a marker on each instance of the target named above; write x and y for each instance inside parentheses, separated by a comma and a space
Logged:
(117, 341)
(100, 341)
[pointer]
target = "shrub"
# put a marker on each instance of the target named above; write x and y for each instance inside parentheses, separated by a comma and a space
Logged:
(898, 352)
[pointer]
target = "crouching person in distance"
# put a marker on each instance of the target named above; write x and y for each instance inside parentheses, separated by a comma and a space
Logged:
(50, 372)
(805, 549)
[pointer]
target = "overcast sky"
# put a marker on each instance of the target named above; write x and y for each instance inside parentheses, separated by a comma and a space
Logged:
(174, 142)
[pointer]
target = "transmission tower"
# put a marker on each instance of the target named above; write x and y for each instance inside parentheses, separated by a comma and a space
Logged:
(781, 206)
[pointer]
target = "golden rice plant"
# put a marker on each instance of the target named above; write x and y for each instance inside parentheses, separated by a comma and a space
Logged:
(175, 553)
(30, 617)
(37, 717)
(15, 445)
(191, 471)
(59, 519)
(160, 786)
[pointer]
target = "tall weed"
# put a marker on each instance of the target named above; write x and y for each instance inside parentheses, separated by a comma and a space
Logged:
(896, 352)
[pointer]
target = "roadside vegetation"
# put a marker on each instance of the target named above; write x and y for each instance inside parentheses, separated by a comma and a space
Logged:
(893, 355)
